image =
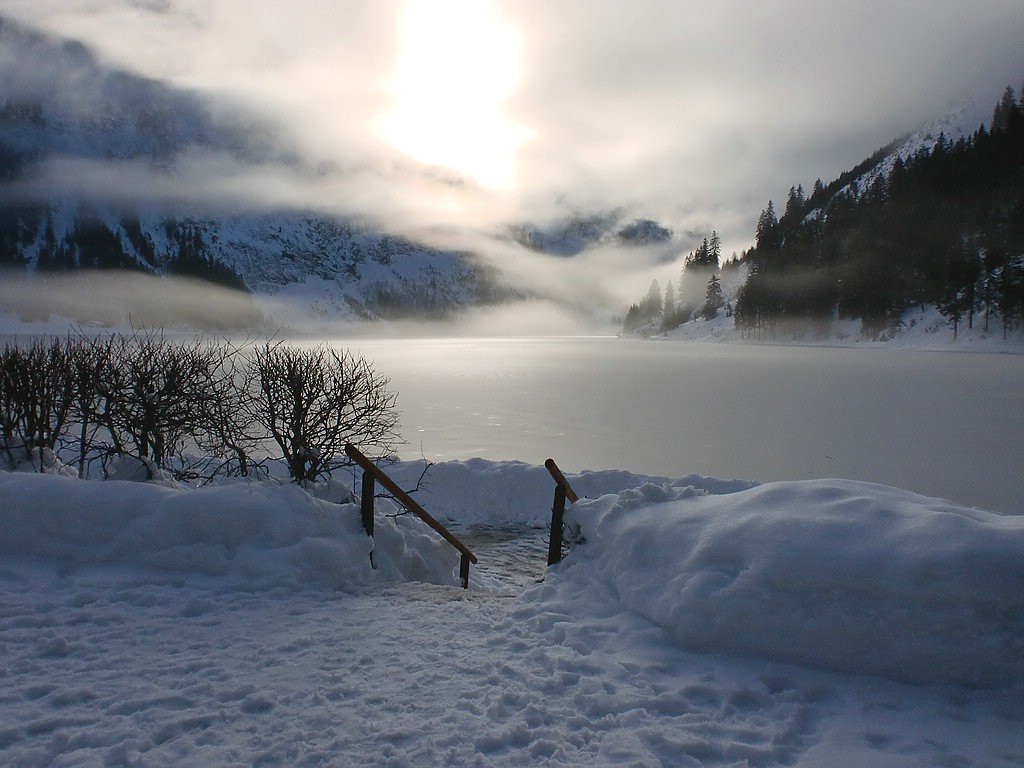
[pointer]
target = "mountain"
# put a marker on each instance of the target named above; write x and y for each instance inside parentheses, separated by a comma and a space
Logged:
(325, 266)
(936, 219)
(960, 123)
(575, 232)
(931, 224)
(56, 99)
(64, 117)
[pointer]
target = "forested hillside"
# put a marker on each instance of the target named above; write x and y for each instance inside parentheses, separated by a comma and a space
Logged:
(943, 227)
(928, 220)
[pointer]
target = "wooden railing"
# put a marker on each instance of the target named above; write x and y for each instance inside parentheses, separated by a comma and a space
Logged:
(563, 491)
(371, 474)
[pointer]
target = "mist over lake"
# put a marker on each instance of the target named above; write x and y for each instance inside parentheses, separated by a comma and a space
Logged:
(942, 424)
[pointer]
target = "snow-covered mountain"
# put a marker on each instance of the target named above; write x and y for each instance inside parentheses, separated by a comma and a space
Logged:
(63, 115)
(575, 232)
(959, 122)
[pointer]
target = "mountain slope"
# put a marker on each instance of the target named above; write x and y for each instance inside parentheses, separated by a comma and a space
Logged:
(960, 123)
(929, 226)
(64, 118)
(935, 219)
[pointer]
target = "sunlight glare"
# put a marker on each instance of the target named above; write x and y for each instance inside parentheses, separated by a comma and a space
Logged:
(458, 62)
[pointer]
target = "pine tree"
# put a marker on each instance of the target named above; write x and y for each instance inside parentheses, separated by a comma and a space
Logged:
(897, 182)
(707, 256)
(767, 237)
(668, 312)
(713, 299)
(652, 305)
(714, 255)
(632, 320)
(1002, 114)
(795, 204)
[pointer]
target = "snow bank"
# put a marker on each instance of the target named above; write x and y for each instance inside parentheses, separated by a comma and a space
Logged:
(840, 575)
(254, 536)
(512, 493)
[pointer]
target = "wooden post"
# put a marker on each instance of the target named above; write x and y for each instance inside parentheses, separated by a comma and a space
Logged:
(557, 512)
(563, 491)
(366, 502)
(366, 508)
(559, 478)
(405, 499)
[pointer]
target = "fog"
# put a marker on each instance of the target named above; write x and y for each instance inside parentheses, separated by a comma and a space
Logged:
(57, 302)
(112, 298)
(942, 424)
(450, 121)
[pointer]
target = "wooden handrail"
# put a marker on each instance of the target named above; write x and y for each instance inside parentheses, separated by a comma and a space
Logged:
(563, 491)
(560, 480)
(405, 499)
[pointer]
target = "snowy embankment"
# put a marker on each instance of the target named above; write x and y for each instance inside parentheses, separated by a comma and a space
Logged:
(254, 536)
(701, 622)
(273, 535)
(839, 575)
(921, 329)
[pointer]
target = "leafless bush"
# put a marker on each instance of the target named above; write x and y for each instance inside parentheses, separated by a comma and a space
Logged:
(35, 396)
(89, 360)
(159, 396)
(311, 401)
(228, 432)
(144, 395)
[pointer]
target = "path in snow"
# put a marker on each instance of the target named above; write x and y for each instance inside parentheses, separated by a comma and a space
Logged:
(120, 667)
(511, 559)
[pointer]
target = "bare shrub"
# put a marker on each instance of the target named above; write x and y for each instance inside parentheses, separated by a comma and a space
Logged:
(227, 431)
(311, 401)
(154, 393)
(144, 395)
(35, 397)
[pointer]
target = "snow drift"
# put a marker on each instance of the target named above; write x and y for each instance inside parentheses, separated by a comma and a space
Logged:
(840, 575)
(514, 493)
(241, 623)
(254, 536)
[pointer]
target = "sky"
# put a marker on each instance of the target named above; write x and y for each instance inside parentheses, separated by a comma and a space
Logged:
(465, 115)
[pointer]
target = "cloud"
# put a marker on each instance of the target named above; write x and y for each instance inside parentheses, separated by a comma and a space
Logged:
(113, 298)
(695, 113)
(705, 106)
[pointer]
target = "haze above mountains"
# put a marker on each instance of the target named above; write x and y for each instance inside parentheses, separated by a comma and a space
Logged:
(107, 168)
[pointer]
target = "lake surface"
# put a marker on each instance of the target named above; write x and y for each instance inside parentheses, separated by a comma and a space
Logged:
(942, 424)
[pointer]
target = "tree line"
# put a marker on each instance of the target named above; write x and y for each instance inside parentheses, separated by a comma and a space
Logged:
(944, 227)
(197, 407)
(698, 293)
(90, 243)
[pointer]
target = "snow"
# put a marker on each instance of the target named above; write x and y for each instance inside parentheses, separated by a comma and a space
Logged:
(701, 622)
(252, 536)
(959, 123)
(840, 575)
(918, 329)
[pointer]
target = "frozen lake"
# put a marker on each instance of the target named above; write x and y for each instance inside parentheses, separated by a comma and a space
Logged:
(942, 424)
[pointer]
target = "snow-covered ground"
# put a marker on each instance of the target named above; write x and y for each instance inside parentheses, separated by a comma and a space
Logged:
(702, 622)
(919, 329)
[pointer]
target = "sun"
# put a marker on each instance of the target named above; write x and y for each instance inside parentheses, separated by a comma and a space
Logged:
(458, 62)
